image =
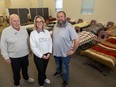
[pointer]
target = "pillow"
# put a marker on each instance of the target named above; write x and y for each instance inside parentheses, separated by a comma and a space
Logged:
(111, 32)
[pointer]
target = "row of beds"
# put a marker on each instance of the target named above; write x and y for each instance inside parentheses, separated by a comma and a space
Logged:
(101, 55)
(104, 50)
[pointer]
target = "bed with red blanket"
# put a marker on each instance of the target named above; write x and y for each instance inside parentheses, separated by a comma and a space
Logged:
(104, 52)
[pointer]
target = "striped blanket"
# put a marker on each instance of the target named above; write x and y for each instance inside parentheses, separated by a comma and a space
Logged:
(104, 52)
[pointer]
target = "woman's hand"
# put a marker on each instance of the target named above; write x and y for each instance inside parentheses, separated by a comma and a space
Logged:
(8, 61)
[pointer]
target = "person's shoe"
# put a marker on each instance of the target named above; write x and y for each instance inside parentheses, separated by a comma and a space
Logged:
(41, 86)
(18, 86)
(56, 74)
(31, 80)
(65, 84)
(47, 81)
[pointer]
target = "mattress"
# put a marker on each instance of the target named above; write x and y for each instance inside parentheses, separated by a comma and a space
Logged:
(104, 52)
(81, 25)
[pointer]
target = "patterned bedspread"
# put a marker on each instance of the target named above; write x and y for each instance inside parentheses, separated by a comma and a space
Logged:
(94, 28)
(104, 52)
(86, 37)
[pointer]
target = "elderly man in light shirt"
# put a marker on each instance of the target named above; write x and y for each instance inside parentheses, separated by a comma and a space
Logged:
(15, 50)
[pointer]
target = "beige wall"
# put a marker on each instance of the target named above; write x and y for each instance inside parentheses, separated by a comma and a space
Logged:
(7, 3)
(21, 3)
(51, 5)
(2, 6)
(104, 10)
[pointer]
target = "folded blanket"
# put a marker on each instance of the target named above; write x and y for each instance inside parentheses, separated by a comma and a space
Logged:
(86, 37)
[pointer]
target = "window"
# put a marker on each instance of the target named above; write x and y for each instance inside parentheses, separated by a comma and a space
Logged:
(87, 7)
(59, 5)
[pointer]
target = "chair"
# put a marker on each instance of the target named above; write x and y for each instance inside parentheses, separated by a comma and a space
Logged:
(102, 35)
(93, 22)
(80, 20)
(77, 29)
(70, 21)
(109, 25)
(68, 18)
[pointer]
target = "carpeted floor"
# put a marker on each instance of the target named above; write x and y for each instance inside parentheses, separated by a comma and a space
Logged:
(81, 75)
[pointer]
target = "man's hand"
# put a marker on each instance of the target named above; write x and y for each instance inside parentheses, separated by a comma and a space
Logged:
(70, 52)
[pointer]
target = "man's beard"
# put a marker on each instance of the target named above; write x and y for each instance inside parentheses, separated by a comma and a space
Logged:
(61, 23)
